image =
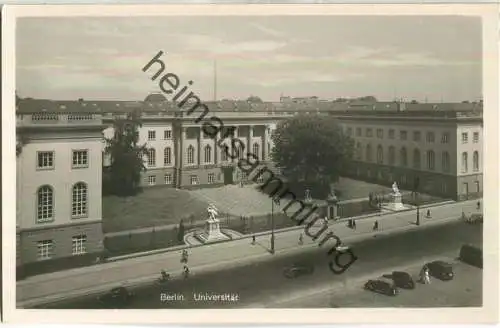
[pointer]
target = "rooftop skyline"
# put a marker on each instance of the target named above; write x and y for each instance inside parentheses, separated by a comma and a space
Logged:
(412, 57)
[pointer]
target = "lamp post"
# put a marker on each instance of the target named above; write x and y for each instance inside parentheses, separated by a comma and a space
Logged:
(415, 188)
(275, 200)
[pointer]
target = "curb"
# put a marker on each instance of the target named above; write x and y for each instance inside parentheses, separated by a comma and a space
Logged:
(204, 268)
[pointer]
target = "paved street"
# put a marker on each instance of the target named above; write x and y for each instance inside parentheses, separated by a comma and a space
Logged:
(83, 281)
(465, 290)
(262, 284)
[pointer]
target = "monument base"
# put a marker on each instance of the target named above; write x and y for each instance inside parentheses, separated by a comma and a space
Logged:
(396, 203)
(212, 233)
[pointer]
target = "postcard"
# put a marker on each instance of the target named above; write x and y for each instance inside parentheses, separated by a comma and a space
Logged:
(235, 163)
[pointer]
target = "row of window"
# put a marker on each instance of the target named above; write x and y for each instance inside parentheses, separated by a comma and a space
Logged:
(167, 155)
(417, 135)
(193, 179)
(167, 135)
(46, 159)
(45, 248)
(46, 202)
(403, 158)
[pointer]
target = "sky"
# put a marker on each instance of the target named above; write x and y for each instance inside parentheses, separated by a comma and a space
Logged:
(101, 58)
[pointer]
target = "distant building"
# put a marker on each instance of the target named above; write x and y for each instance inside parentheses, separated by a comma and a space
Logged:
(439, 144)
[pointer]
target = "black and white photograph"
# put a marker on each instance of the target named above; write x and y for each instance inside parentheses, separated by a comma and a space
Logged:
(238, 160)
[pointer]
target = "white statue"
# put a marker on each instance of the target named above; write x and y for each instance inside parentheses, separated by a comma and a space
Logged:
(212, 213)
(395, 188)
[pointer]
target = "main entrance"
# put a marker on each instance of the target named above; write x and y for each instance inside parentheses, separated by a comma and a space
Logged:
(228, 175)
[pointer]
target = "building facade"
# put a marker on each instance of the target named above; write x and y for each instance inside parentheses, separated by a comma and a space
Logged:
(59, 185)
(437, 151)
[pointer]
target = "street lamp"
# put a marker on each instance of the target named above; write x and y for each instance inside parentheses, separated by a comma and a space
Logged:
(415, 188)
(275, 200)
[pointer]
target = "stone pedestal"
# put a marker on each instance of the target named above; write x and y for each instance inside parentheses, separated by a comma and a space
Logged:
(212, 232)
(396, 202)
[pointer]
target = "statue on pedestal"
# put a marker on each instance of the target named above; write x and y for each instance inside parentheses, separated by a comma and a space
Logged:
(212, 213)
(395, 189)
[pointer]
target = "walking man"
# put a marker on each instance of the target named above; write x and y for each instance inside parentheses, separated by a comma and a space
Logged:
(428, 213)
(375, 226)
(354, 224)
(253, 240)
(186, 271)
(301, 239)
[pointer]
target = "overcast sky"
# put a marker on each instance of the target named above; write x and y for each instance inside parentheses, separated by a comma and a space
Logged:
(433, 58)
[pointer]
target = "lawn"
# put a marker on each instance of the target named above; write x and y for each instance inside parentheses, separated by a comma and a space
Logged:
(155, 206)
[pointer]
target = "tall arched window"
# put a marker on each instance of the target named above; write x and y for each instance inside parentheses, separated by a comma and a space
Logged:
(416, 159)
(403, 157)
(465, 164)
(223, 154)
(167, 156)
(255, 150)
(475, 161)
(79, 200)
(392, 155)
(190, 155)
(430, 160)
(45, 204)
(241, 152)
(445, 161)
(380, 155)
(359, 151)
(151, 157)
(368, 155)
(208, 154)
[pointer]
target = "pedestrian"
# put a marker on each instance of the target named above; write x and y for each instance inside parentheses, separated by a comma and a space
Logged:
(253, 240)
(375, 226)
(478, 205)
(301, 239)
(186, 271)
(353, 224)
(349, 224)
(428, 213)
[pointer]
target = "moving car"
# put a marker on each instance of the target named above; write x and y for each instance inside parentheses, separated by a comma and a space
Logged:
(440, 270)
(116, 297)
(297, 270)
(403, 280)
(381, 287)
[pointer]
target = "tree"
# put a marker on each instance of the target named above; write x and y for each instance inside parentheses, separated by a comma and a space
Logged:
(126, 156)
(312, 150)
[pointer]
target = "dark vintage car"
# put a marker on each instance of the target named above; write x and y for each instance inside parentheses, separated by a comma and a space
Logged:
(381, 287)
(471, 255)
(476, 218)
(440, 270)
(297, 270)
(403, 280)
(116, 297)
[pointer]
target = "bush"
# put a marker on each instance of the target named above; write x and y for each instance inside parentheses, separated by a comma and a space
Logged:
(471, 255)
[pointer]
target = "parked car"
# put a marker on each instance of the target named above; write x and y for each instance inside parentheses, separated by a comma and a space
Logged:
(116, 297)
(471, 255)
(440, 270)
(403, 280)
(297, 270)
(476, 218)
(381, 287)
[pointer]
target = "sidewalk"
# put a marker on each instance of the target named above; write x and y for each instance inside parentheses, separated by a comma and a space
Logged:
(94, 279)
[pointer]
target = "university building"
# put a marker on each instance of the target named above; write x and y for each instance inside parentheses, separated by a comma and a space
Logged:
(61, 156)
(441, 145)
(59, 166)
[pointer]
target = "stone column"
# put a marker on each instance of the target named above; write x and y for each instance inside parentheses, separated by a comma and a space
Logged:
(199, 147)
(249, 141)
(179, 134)
(265, 150)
